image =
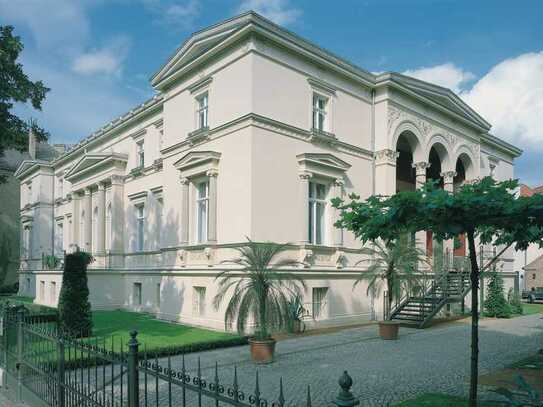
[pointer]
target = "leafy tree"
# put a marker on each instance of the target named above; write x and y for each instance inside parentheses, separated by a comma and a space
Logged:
(487, 210)
(74, 308)
(394, 263)
(16, 87)
(262, 292)
(495, 304)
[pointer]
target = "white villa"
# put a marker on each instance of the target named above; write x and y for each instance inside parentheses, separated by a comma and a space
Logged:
(250, 134)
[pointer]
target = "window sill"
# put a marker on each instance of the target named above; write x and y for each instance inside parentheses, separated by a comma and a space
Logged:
(136, 172)
(198, 135)
(322, 136)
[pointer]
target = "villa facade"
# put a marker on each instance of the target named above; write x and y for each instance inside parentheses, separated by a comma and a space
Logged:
(252, 131)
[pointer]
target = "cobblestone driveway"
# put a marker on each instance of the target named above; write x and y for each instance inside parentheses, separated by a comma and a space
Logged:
(435, 359)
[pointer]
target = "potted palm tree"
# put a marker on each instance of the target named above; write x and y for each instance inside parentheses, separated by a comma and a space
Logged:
(394, 264)
(259, 292)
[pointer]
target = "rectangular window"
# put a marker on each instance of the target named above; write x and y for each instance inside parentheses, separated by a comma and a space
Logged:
(59, 238)
(317, 209)
(319, 301)
(198, 301)
(137, 294)
(160, 221)
(202, 112)
(53, 292)
(140, 227)
(29, 198)
(42, 290)
(319, 112)
(158, 299)
(60, 187)
(202, 203)
(141, 154)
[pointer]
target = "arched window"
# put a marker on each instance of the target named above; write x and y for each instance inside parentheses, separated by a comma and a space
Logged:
(108, 228)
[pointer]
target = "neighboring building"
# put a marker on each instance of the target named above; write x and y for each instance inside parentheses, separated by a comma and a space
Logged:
(533, 275)
(253, 130)
(10, 160)
(523, 258)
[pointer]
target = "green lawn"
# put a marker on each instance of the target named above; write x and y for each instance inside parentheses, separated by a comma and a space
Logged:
(530, 309)
(441, 400)
(152, 333)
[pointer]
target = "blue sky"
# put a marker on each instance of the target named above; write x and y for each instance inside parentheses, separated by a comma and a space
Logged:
(97, 55)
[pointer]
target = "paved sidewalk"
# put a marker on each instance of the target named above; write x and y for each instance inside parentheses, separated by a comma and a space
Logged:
(435, 359)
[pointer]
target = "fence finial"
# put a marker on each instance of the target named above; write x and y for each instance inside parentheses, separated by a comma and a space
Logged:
(345, 397)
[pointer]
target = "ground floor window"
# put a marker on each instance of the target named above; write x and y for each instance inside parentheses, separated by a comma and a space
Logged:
(319, 302)
(137, 293)
(53, 291)
(42, 290)
(198, 301)
(158, 295)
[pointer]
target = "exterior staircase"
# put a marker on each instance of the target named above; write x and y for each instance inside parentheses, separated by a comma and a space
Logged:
(418, 310)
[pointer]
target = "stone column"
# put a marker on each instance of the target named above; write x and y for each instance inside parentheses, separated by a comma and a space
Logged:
(101, 221)
(184, 211)
(448, 245)
(420, 172)
(76, 216)
(117, 215)
(303, 203)
(420, 180)
(337, 233)
(212, 207)
(87, 205)
(448, 180)
(385, 172)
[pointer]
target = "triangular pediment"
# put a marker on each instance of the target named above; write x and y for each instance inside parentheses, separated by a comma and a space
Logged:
(323, 160)
(197, 159)
(199, 43)
(95, 161)
(443, 97)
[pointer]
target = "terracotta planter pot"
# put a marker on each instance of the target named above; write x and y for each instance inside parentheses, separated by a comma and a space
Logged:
(262, 350)
(389, 330)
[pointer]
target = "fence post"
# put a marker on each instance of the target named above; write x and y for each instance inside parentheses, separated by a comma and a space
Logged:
(5, 343)
(133, 379)
(61, 391)
(345, 397)
(20, 349)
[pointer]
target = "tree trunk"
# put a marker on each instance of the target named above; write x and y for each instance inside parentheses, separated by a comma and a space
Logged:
(474, 277)
(262, 315)
(390, 289)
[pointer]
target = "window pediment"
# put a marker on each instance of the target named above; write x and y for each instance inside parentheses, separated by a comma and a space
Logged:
(95, 163)
(322, 164)
(197, 163)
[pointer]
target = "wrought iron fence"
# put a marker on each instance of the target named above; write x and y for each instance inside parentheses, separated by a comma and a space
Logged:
(44, 367)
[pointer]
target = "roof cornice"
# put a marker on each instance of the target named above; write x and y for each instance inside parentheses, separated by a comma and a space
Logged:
(27, 167)
(113, 126)
(501, 145)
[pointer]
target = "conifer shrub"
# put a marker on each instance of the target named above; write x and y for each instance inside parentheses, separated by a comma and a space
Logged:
(496, 304)
(74, 308)
(515, 302)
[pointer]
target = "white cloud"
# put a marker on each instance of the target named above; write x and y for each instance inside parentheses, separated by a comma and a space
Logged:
(510, 97)
(107, 60)
(447, 75)
(84, 77)
(59, 26)
(179, 14)
(279, 11)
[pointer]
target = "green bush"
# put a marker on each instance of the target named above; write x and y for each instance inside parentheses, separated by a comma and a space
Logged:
(514, 300)
(74, 307)
(495, 304)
